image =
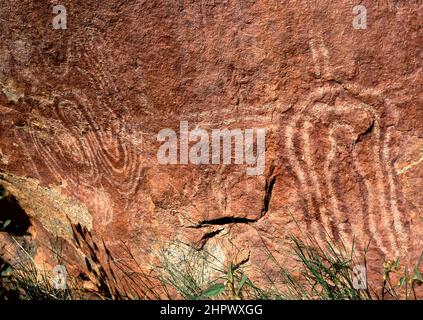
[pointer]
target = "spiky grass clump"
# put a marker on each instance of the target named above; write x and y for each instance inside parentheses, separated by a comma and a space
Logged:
(186, 272)
(326, 272)
(31, 283)
(193, 274)
(323, 271)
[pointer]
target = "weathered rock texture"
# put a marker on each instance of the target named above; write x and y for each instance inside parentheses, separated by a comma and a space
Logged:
(343, 109)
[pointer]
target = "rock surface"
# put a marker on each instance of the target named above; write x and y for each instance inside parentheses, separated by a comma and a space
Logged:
(343, 111)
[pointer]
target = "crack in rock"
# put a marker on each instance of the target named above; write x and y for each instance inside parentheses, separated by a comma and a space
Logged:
(270, 182)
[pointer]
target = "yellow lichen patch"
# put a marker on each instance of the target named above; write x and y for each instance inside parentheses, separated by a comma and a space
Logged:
(49, 205)
(11, 89)
(3, 158)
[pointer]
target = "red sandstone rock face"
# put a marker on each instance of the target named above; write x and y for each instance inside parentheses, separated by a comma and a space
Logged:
(342, 108)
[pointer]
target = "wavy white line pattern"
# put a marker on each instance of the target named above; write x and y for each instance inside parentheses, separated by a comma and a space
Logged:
(87, 145)
(380, 218)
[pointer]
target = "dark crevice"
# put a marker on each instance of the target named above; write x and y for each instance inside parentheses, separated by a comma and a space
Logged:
(270, 183)
(222, 221)
(207, 236)
(211, 234)
(363, 135)
(331, 81)
(268, 195)
(242, 262)
(13, 219)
